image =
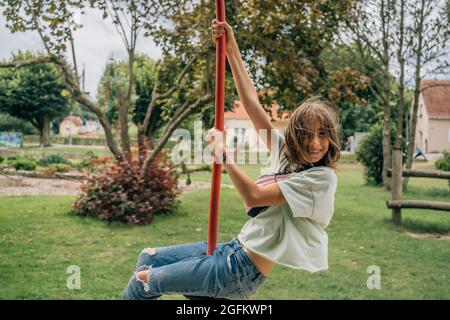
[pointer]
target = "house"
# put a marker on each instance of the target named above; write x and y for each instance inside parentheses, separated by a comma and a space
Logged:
(240, 128)
(70, 126)
(433, 116)
(73, 125)
(90, 129)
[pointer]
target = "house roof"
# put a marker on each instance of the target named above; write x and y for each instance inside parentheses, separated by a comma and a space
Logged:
(239, 113)
(76, 121)
(436, 97)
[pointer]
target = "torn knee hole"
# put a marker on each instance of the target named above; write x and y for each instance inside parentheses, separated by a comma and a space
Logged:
(150, 251)
(143, 277)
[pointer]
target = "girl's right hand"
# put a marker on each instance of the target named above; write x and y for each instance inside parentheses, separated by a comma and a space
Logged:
(220, 28)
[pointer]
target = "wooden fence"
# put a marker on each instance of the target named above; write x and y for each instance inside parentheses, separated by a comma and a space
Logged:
(396, 204)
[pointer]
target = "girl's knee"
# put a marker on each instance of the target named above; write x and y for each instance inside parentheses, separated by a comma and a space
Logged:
(149, 251)
(145, 257)
(138, 285)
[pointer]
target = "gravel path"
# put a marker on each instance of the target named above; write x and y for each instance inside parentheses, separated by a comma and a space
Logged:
(20, 186)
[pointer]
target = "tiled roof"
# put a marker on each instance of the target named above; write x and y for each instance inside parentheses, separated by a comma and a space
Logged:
(436, 96)
(74, 120)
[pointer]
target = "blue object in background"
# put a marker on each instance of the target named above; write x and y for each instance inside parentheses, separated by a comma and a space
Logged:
(11, 139)
(419, 153)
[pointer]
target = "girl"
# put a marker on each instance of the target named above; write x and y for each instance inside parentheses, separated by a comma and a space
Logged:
(293, 211)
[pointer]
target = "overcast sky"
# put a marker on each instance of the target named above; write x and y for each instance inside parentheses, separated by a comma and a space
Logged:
(95, 43)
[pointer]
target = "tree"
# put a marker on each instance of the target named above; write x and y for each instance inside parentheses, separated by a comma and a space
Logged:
(36, 94)
(429, 38)
(362, 111)
(397, 154)
(371, 26)
(115, 75)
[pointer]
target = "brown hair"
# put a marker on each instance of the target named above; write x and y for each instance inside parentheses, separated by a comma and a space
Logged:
(298, 133)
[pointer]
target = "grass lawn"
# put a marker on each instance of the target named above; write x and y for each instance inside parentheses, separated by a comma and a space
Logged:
(39, 240)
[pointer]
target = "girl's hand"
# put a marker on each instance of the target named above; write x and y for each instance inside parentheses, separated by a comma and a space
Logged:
(218, 29)
(216, 141)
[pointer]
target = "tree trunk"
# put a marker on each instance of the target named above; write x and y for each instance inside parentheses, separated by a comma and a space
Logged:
(84, 100)
(387, 148)
(44, 132)
(413, 123)
(151, 131)
(412, 133)
(397, 160)
(396, 183)
(182, 113)
(123, 120)
(387, 151)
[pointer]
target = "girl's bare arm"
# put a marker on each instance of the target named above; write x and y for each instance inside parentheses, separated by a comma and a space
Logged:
(246, 89)
(254, 195)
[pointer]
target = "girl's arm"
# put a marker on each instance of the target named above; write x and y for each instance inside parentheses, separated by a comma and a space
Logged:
(254, 195)
(244, 85)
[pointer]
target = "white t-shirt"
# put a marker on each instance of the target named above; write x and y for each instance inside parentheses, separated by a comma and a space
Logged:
(293, 234)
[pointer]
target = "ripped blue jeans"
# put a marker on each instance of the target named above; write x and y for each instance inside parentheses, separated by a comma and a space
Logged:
(186, 269)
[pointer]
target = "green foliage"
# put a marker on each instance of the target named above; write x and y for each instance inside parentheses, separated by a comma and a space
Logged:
(444, 162)
(355, 118)
(144, 74)
(54, 158)
(1, 159)
(24, 164)
(370, 153)
(118, 192)
(13, 124)
(86, 161)
(59, 167)
(114, 82)
(55, 20)
(34, 94)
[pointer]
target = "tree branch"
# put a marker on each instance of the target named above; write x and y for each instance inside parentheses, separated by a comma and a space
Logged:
(28, 62)
(175, 122)
(156, 96)
(83, 99)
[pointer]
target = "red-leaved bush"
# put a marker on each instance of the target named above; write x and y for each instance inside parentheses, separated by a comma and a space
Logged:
(118, 191)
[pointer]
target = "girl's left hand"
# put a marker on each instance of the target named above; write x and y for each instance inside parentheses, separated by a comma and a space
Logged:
(217, 141)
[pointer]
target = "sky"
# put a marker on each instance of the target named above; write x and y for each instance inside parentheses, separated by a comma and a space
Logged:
(95, 43)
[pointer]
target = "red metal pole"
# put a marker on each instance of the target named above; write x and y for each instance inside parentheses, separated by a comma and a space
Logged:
(218, 124)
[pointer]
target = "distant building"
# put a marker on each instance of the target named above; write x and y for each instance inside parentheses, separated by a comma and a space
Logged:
(90, 129)
(70, 126)
(240, 127)
(73, 125)
(433, 116)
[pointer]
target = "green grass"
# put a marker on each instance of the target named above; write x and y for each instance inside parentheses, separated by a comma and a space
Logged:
(39, 240)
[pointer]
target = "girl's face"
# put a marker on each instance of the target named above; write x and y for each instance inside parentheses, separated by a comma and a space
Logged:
(317, 143)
